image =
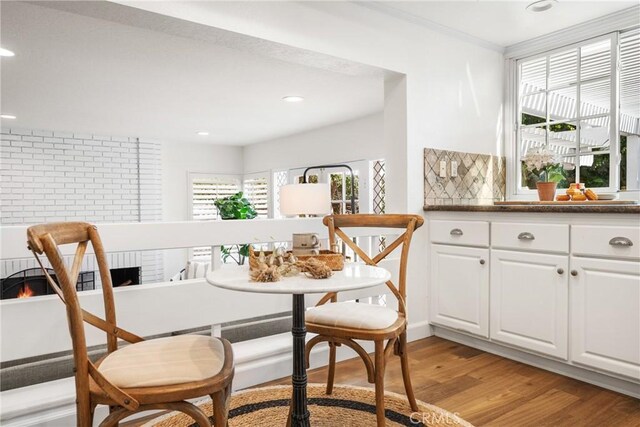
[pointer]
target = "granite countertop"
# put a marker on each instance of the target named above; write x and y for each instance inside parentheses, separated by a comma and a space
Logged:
(616, 209)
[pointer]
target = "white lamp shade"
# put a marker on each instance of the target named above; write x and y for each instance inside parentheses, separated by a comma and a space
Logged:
(305, 199)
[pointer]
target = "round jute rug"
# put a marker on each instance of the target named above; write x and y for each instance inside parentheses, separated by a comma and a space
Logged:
(348, 406)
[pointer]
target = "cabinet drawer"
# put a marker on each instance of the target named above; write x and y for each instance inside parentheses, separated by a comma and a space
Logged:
(466, 233)
(612, 241)
(533, 237)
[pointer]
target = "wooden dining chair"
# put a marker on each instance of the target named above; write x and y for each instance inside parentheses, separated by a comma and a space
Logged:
(144, 375)
(342, 323)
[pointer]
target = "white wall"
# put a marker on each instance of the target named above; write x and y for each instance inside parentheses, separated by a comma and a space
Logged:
(352, 140)
(178, 159)
(454, 89)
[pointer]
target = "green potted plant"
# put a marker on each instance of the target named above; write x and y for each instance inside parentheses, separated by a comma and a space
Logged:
(543, 167)
(235, 207)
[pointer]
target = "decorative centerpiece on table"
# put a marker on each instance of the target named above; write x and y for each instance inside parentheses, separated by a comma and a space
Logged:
(235, 207)
(273, 266)
(545, 169)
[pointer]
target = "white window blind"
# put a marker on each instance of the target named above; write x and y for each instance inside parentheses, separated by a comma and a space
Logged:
(205, 190)
(256, 190)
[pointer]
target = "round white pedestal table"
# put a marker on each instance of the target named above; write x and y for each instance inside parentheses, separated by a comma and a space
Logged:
(352, 277)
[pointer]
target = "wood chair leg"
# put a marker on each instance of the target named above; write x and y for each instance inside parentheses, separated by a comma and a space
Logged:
(406, 375)
(332, 367)
(380, 369)
(84, 417)
(220, 408)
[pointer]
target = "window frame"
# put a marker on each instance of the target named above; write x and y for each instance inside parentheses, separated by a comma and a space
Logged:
(365, 176)
(513, 120)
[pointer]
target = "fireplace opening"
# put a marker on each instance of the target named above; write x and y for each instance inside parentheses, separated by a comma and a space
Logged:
(125, 276)
(31, 282)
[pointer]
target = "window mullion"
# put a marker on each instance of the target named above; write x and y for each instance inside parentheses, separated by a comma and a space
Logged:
(546, 102)
(614, 121)
(578, 111)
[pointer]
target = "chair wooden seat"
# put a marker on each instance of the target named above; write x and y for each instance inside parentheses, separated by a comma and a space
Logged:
(345, 328)
(109, 386)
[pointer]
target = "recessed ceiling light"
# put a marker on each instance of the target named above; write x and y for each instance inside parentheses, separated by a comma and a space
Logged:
(8, 116)
(293, 98)
(541, 5)
(203, 133)
(6, 52)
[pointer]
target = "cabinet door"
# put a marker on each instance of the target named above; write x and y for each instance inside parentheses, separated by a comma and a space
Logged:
(529, 301)
(605, 315)
(460, 288)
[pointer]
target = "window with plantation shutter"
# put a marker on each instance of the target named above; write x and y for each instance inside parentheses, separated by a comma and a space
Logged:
(256, 190)
(205, 190)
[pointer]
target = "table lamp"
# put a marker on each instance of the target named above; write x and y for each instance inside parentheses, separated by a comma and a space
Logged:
(305, 199)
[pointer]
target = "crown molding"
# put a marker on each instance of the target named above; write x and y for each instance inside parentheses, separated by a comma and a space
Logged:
(617, 21)
(429, 24)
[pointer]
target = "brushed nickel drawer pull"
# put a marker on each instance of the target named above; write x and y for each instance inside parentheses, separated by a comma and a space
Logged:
(456, 232)
(526, 236)
(620, 241)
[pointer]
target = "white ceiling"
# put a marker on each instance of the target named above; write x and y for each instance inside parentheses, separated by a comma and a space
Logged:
(503, 23)
(76, 73)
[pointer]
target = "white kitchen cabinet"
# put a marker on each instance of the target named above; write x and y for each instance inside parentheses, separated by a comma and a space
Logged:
(530, 300)
(605, 315)
(460, 288)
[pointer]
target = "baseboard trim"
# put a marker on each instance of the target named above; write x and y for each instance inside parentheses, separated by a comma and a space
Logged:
(602, 380)
(257, 361)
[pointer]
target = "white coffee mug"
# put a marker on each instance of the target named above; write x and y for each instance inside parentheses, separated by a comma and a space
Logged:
(305, 241)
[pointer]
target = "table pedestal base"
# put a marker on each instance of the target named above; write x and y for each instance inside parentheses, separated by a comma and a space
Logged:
(299, 411)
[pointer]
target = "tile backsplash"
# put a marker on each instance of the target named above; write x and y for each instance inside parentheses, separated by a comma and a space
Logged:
(480, 180)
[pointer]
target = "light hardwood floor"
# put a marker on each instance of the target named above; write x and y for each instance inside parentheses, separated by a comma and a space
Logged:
(489, 390)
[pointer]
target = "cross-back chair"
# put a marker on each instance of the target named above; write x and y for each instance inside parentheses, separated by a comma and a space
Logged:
(341, 323)
(144, 375)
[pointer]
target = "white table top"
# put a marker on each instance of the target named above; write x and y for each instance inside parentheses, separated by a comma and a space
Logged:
(353, 276)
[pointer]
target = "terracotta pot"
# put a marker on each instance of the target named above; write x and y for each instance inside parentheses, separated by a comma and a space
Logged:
(546, 191)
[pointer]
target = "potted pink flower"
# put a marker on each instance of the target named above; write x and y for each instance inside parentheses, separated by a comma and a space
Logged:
(545, 167)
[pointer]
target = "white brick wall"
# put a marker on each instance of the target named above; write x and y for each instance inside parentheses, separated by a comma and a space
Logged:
(60, 176)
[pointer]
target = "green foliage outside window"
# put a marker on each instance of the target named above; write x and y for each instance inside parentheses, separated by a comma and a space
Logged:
(596, 175)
